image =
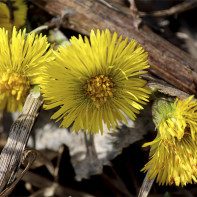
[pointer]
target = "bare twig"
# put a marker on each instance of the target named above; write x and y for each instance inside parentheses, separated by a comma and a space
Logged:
(181, 7)
(11, 155)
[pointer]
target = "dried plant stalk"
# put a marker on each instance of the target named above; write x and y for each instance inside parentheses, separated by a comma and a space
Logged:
(146, 186)
(11, 155)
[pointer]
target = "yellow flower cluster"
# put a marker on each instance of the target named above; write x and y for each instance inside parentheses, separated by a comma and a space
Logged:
(97, 81)
(173, 155)
(93, 82)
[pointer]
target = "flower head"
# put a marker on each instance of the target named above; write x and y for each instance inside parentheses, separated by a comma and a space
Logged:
(96, 81)
(12, 13)
(20, 66)
(180, 116)
(173, 154)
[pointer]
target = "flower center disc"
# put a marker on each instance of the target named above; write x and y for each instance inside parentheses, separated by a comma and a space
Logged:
(13, 84)
(99, 89)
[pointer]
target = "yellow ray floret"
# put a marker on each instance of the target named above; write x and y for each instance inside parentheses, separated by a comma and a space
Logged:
(21, 61)
(12, 13)
(95, 81)
(173, 155)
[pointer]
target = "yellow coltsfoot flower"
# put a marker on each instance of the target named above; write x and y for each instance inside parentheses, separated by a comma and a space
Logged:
(181, 116)
(21, 60)
(95, 81)
(173, 154)
(12, 13)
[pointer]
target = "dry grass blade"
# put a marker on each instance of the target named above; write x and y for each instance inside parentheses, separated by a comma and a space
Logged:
(12, 153)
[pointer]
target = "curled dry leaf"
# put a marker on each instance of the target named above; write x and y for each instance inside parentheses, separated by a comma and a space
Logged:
(49, 136)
